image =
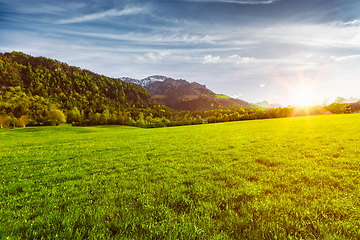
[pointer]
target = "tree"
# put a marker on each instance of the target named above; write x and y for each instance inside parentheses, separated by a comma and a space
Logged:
(19, 110)
(95, 119)
(8, 121)
(74, 115)
(235, 116)
(56, 117)
(112, 119)
(129, 121)
(339, 106)
(2, 121)
(103, 119)
(148, 119)
(121, 120)
(14, 121)
(336, 107)
(199, 120)
(140, 123)
(82, 116)
(211, 119)
(340, 100)
(141, 116)
(106, 112)
(22, 121)
(241, 110)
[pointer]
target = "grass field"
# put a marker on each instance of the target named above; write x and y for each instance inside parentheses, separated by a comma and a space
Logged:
(288, 178)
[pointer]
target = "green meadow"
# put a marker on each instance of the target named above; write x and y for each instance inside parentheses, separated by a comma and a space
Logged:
(289, 178)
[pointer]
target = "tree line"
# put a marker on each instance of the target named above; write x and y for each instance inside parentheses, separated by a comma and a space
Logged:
(19, 109)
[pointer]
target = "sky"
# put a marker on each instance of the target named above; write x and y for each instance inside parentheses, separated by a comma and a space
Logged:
(281, 51)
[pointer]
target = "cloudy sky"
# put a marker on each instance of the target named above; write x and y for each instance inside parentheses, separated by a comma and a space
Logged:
(281, 51)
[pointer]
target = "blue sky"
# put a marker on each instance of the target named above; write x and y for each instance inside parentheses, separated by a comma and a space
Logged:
(281, 51)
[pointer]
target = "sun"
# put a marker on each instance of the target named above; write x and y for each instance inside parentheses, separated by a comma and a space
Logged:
(304, 98)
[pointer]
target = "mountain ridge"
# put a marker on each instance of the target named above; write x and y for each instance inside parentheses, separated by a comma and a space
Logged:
(145, 81)
(266, 104)
(181, 94)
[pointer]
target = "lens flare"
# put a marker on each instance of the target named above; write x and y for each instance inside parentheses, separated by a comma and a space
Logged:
(304, 98)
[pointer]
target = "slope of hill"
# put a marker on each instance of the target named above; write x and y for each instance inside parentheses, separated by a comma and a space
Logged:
(182, 95)
(68, 86)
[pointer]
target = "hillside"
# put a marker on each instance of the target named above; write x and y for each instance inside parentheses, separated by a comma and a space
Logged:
(182, 95)
(67, 87)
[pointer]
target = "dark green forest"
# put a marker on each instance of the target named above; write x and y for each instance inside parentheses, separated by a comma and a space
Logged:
(35, 86)
(38, 91)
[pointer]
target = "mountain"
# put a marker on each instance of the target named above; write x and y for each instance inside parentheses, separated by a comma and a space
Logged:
(265, 104)
(66, 87)
(180, 94)
(144, 82)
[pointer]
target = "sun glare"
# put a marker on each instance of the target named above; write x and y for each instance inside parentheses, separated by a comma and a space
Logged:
(304, 98)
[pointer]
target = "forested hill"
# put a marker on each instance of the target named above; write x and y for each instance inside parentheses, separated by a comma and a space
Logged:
(68, 86)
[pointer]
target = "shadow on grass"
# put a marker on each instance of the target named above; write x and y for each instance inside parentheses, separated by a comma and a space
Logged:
(2, 234)
(29, 129)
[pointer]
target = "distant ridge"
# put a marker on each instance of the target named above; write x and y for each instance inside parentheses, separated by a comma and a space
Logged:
(146, 81)
(265, 104)
(180, 94)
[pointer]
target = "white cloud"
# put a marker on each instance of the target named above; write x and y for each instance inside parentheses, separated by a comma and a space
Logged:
(234, 56)
(262, 85)
(152, 57)
(158, 38)
(210, 59)
(110, 13)
(322, 35)
(241, 59)
(355, 22)
(164, 53)
(344, 58)
(244, 60)
(315, 35)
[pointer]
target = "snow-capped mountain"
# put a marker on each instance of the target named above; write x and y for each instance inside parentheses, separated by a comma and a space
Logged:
(160, 85)
(146, 81)
(180, 94)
